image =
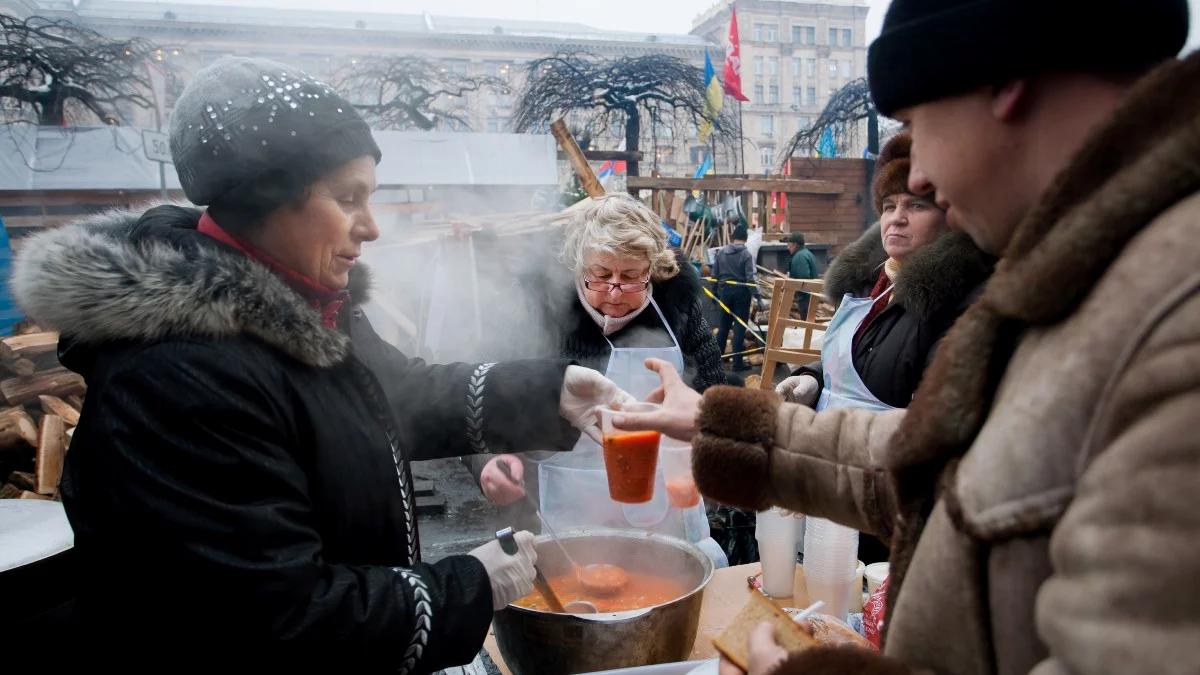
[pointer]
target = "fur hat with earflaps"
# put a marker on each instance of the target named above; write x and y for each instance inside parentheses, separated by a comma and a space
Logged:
(891, 169)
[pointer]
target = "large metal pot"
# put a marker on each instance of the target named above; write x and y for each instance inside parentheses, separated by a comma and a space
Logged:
(535, 642)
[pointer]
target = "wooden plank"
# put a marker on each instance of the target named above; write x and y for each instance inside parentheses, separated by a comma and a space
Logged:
(28, 345)
(787, 185)
(423, 488)
(605, 155)
(55, 382)
(22, 480)
(75, 402)
(16, 426)
(53, 405)
(591, 185)
(22, 367)
(26, 494)
(51, 451)
(10, 492)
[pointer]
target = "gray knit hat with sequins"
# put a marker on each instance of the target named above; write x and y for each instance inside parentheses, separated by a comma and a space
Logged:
(242, 119)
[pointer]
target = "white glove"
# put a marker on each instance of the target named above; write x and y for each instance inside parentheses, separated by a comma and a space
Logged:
(512, 575)
(584, 391)
(800, 389)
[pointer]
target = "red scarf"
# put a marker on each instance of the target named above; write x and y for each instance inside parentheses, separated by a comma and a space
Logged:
(881, 284)
(325, 300)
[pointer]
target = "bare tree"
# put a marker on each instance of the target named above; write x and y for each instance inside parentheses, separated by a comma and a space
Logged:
(848, 105)
(638, 91)
(50, 66)
(411, 92)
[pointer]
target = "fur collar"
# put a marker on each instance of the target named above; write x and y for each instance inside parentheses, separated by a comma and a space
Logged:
(150, 276)
(937, 276)
(1145, 159)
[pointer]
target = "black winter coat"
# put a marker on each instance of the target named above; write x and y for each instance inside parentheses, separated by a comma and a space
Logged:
(935, 286)
(240, 472)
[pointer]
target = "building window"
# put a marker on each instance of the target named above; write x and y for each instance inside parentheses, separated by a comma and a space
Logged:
(833, 65)
(846, 69)
(697, 153)
(758, 65)
(811, 95)
(833, 37)
(773, 65)
(810, 67)
(847, 37)
(499, 69)
(458, 66)
(758, 93)
(499, 125)
(773, 94)
(803, 122)
(804, 35)
(797, 66)
(767, 125)
(767, 157)
(797, 96)
(766, 32)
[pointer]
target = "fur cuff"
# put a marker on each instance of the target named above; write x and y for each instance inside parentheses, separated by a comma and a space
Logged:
(731, 459)
(839, 660)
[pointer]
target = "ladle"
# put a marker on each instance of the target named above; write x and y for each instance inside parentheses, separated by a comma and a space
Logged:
(597, 578)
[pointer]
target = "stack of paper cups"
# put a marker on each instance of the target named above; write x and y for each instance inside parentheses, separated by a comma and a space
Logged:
(830, 558)
(775, 531)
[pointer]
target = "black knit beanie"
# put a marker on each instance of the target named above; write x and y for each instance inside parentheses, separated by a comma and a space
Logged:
(257, 126)
(930, 49)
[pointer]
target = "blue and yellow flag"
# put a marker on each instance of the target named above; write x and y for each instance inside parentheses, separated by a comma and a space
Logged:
(714, 98)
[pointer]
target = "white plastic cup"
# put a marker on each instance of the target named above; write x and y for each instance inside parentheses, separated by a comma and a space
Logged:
(877, 573)
(675, 458)
(775, 531)
(607, 414)
(854, 602)
(830, 558)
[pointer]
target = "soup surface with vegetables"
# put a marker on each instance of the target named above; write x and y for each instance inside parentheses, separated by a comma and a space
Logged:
(642, 590)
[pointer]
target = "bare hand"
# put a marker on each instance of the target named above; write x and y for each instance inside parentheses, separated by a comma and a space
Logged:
(500, 487)
(765, 652)
(680, 406)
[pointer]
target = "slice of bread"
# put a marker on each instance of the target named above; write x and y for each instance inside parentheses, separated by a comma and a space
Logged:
(734, 641)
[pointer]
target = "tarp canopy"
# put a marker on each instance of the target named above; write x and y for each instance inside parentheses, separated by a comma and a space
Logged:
(112, 158)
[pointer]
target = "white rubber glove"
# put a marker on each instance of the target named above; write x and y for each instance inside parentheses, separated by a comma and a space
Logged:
(511, 576)
(584, 391)
(800, 389)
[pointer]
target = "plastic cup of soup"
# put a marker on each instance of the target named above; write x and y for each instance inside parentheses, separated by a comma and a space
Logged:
(630, 457)
(676, 458)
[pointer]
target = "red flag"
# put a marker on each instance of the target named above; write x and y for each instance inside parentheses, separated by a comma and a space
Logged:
(733, 59)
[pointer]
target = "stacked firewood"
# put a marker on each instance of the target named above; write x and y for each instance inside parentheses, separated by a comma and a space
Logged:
(40, 402)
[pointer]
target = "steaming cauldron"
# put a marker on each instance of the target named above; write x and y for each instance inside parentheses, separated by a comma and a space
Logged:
(535, 642)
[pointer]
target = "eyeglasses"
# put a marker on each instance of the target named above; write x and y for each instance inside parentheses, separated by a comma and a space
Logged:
(607, 286)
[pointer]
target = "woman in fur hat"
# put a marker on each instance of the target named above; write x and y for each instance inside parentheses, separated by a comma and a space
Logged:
(240, 472)
(898, 289)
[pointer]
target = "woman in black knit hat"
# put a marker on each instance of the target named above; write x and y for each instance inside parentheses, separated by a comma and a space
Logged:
(240, 472)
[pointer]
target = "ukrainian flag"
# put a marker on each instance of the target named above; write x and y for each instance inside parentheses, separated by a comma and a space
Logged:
(714, 97)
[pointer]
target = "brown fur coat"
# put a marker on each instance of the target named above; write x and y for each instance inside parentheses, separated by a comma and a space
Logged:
(1039, 491)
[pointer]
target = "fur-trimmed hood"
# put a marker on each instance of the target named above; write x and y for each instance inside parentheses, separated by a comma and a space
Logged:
(934, 277)
(150, 276)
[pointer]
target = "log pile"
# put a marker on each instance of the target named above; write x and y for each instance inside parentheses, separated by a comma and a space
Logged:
(40, 402)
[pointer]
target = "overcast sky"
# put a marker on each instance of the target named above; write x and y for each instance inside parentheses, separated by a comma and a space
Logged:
(669, 16)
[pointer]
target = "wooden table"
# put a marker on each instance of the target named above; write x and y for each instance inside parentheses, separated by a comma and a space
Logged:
(723, 599)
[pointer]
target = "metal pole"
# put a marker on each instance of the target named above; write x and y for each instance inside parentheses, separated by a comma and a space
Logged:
(741, 139)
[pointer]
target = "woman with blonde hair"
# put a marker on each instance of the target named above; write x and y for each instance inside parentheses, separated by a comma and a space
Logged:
(635, 300)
